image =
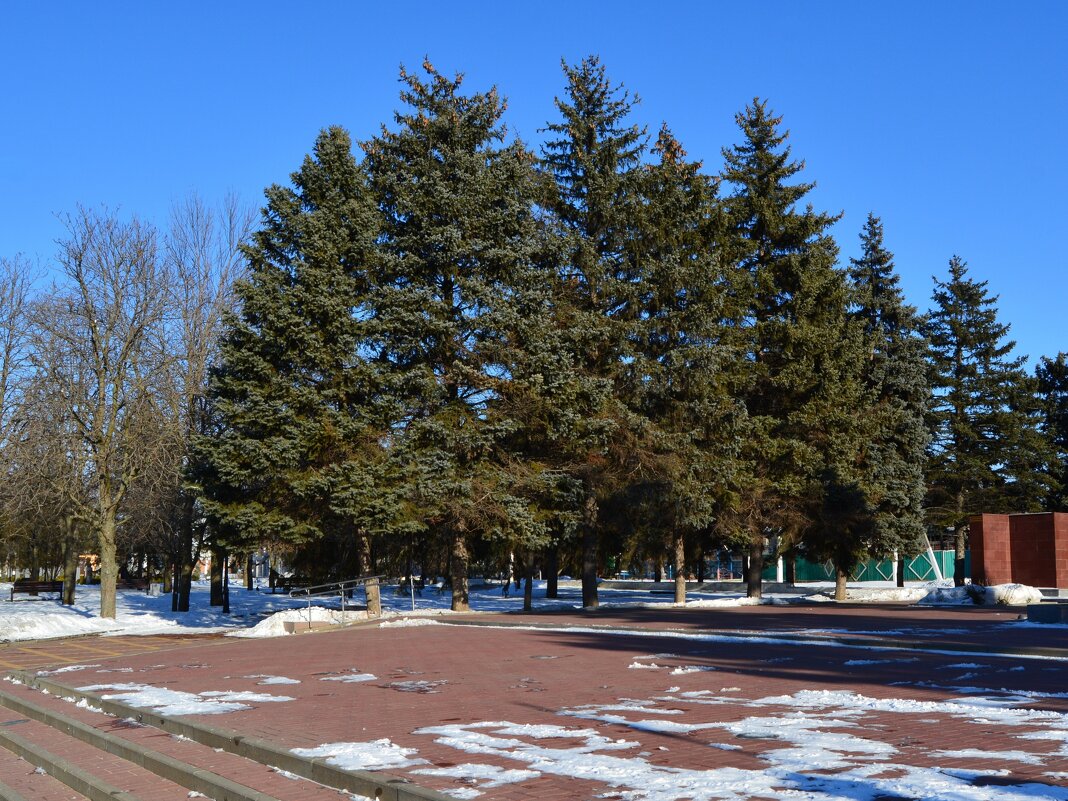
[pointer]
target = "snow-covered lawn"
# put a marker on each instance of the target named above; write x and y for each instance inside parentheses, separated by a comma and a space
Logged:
(28, 618)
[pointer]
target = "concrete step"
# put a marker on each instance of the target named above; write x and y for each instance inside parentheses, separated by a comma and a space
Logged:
(133, 759)
(23, 781)
(86, 769)
(276, 759)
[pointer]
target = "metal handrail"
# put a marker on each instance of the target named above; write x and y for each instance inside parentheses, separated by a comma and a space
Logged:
(333, 588)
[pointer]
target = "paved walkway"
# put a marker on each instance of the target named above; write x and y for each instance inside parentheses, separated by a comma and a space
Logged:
(858, 702)
(34, 654)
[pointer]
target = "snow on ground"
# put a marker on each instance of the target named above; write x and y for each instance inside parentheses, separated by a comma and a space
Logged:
(267, 679)
(44, 617)
(374, 755)
(177, 702)
(1004, 594)
(355, 676)
(275, 625)
(813, 745)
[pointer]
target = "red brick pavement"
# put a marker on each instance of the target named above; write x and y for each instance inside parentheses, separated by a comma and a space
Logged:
(235, 768)
(476, 674)
(25, 779)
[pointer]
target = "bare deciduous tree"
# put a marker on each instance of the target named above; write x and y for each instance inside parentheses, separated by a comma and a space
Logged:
(101, 323)
(203, 259)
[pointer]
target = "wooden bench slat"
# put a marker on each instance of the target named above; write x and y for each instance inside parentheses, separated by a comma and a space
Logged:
(30, 587)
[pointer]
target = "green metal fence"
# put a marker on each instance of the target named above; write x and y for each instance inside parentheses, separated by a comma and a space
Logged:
(918, 568)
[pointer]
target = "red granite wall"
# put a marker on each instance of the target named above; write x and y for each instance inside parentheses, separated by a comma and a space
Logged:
(1032, 548)
(1060, 545)
(1023, 548)
(988, 536)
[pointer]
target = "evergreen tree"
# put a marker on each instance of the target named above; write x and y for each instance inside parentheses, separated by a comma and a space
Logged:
(458, 249)
(1052, 377)
(986, 451)
(894, 402)
(593, 156)
(676, 385)
(798, 389)
(302, 396)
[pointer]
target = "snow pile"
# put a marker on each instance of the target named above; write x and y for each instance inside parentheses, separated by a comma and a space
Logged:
(876, 595)
(275, 625)
(887, 594)
(1003, 594)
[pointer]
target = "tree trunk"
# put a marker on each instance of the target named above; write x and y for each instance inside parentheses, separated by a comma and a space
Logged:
(215, 572)
(680, 568)
(552, 570)
(226, 582)
(363, 568)
(187, 558)
(960, 534)
(168, 582)
(658, 569)
(70, 562)
(461, 601)
(249, 580)
(109, 568)
(589, 555)
(900, 577)
(841, 577)
(528, 588)
(755, 568)
(789, 567)
(374, 598)
(701, 566)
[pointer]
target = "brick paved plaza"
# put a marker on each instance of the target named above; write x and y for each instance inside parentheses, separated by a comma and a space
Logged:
(753, 702)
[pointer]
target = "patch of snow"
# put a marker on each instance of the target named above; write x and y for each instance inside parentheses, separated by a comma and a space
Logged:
(177, 702)
(682, 670)
(65, 669)
(351, 677)
(267, 679)
(490, 775)
(374, 755)
(790, 774)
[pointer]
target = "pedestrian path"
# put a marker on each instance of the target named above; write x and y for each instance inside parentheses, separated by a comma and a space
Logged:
(33, 654)
(647, 705)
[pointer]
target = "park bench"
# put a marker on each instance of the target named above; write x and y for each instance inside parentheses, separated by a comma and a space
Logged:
(289, 583)
(31, 587)
(132, 584)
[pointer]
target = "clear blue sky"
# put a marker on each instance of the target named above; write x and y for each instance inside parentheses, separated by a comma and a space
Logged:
(947, 119)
